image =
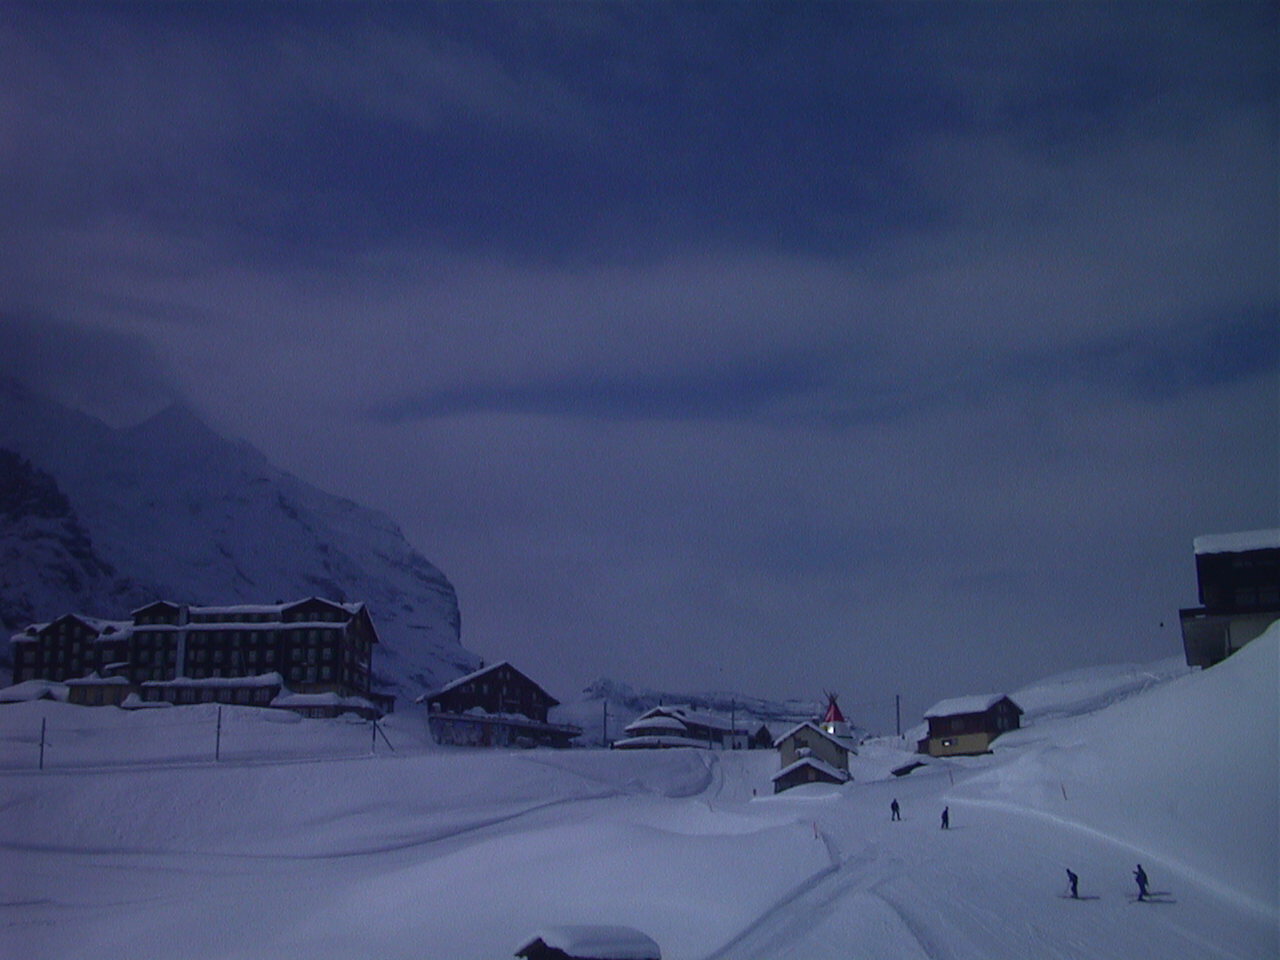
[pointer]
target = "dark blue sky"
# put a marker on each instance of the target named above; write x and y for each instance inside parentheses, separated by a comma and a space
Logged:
(885, 347)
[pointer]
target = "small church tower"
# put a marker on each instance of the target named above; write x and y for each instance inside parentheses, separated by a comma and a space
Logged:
(833, 722)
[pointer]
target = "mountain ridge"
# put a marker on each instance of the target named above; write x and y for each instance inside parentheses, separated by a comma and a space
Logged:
(174, 509)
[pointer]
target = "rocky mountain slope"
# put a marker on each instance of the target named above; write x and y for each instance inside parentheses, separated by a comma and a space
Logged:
(100, 519)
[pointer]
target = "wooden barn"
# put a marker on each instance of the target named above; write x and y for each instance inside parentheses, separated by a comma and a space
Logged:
(964, 726)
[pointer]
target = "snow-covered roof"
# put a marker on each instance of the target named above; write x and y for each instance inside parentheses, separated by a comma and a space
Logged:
(809, 724)
(656, 723)
(452, 684)
(33, 690)
(261, 680)
(1238, 542)
(812, 761)
(658, 740)
(601, 942)
(93, 680)
(329, 699)
(957, 706)
(113, 629)
(256, 609)
(688, 715)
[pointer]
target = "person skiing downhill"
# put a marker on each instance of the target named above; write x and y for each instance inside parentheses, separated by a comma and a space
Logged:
(895, 810)
(1140, 876)
(1075, 884)
(946, 818)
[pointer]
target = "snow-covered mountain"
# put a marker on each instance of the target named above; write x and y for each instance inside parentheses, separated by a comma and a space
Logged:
(106, 518)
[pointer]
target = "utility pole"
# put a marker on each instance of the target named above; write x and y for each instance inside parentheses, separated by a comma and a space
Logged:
(897, 712)
(604, 722)
(217, 741)
(43, 721)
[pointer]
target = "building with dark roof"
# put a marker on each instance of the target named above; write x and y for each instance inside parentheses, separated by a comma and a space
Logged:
(1238, 576)
(496, 706)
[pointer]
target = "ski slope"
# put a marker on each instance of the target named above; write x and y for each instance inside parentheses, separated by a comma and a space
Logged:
(434, 853)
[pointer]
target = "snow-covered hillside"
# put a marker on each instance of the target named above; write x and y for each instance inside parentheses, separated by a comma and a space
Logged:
(173, 509)
(431, 852)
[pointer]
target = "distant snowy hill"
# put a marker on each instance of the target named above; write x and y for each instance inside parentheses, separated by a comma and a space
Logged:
(624, 702)
(169, 508)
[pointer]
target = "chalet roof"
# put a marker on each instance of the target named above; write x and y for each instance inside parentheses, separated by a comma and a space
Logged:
(1238, 542)
(842, 744)
(599, 942)
(476, 674)
(659, 740)
(688, 715)
(958, 706)
(656, 723)
(817, 764)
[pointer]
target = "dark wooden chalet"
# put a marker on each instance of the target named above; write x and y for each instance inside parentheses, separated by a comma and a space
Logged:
(495, 706)
(967, 725)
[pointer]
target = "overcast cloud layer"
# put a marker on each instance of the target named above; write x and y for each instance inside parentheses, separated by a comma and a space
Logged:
(878, 348)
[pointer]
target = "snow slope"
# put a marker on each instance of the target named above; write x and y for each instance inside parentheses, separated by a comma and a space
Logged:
(178, 511)
(430, 852)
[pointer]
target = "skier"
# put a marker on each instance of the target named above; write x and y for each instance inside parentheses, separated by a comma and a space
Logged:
(895, 810)
(946, 818)
(1075, 884)
(1140, 875)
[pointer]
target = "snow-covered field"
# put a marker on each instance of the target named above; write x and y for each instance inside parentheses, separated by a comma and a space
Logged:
(434, 853)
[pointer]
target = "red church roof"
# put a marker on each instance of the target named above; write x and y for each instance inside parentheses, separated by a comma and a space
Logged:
(833, 711)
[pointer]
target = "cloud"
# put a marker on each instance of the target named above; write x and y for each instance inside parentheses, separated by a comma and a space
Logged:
(115, 376)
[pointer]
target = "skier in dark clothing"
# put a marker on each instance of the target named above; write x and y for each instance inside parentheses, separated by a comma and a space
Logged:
(1075, 884)
(946, 818)
(895, 810)
(1140, 875)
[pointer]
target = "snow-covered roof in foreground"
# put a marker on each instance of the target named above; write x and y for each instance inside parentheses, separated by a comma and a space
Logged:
(821, 765)
(846, 745)
(1236, 542)
(33, 690)
(955, 706)
(602, 942)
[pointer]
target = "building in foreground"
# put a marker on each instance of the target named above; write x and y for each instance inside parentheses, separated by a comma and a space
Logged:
(1238, 575)
(312, 656)
(967, 725)
(808, 753)
(495, 706)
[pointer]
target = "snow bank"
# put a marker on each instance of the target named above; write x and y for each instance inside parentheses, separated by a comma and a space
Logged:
(1186, 772)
